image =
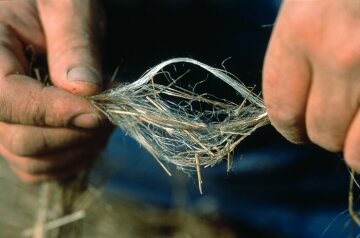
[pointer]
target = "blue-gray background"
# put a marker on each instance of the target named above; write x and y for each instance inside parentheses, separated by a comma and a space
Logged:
(274, 186)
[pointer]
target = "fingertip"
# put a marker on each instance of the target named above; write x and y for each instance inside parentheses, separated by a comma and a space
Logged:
(297, 137)
(29, 178)
(87, 121)
(352, 159)
(286, 83)
(332, 144)
(289, 125)
(352, 144)
(73, 45)
(83, 81)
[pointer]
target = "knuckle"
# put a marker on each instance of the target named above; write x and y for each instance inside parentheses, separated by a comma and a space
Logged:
(42, 108)
(347, 58)
(57, 112)
(76, 47)
(288, 121)
(291, 128)
(59, 116)
(33, 107)
(325, 142)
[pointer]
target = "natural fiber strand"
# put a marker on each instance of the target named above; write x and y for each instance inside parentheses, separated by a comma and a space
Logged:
(174, 131)
(354, 214)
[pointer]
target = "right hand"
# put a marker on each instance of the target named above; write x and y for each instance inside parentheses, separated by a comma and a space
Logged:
(50, 132)
(312, 75)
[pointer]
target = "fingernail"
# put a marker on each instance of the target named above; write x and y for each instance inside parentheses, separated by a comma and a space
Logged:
(88, 121)
(84, 74)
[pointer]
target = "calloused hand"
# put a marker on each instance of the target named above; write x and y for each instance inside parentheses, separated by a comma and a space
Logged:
(311, 77)
(50, 132)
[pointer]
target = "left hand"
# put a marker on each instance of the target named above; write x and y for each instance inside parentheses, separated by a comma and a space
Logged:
(50, 132)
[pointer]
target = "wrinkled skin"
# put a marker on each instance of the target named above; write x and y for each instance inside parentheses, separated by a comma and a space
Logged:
(311, 77)
(50, 132)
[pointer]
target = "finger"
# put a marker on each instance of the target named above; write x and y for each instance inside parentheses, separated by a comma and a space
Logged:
(72, 30)
(286, 81)
(352, 142)
(54, 162)
(28, 140)
(22, 17)
(331, 107)
(26, 101)
(56, 175)
(11, 53)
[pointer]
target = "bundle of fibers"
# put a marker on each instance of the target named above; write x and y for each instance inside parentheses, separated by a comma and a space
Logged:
(180, 126)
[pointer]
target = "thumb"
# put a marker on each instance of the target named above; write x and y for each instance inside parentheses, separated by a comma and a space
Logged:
(73, 31)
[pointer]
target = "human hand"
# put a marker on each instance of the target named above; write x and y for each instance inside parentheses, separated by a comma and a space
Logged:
(49, 132)
(311, 77)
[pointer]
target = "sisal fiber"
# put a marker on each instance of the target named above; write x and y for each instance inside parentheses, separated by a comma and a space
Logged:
(163, 118)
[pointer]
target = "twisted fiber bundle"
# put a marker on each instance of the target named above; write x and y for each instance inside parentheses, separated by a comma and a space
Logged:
(164, 120)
